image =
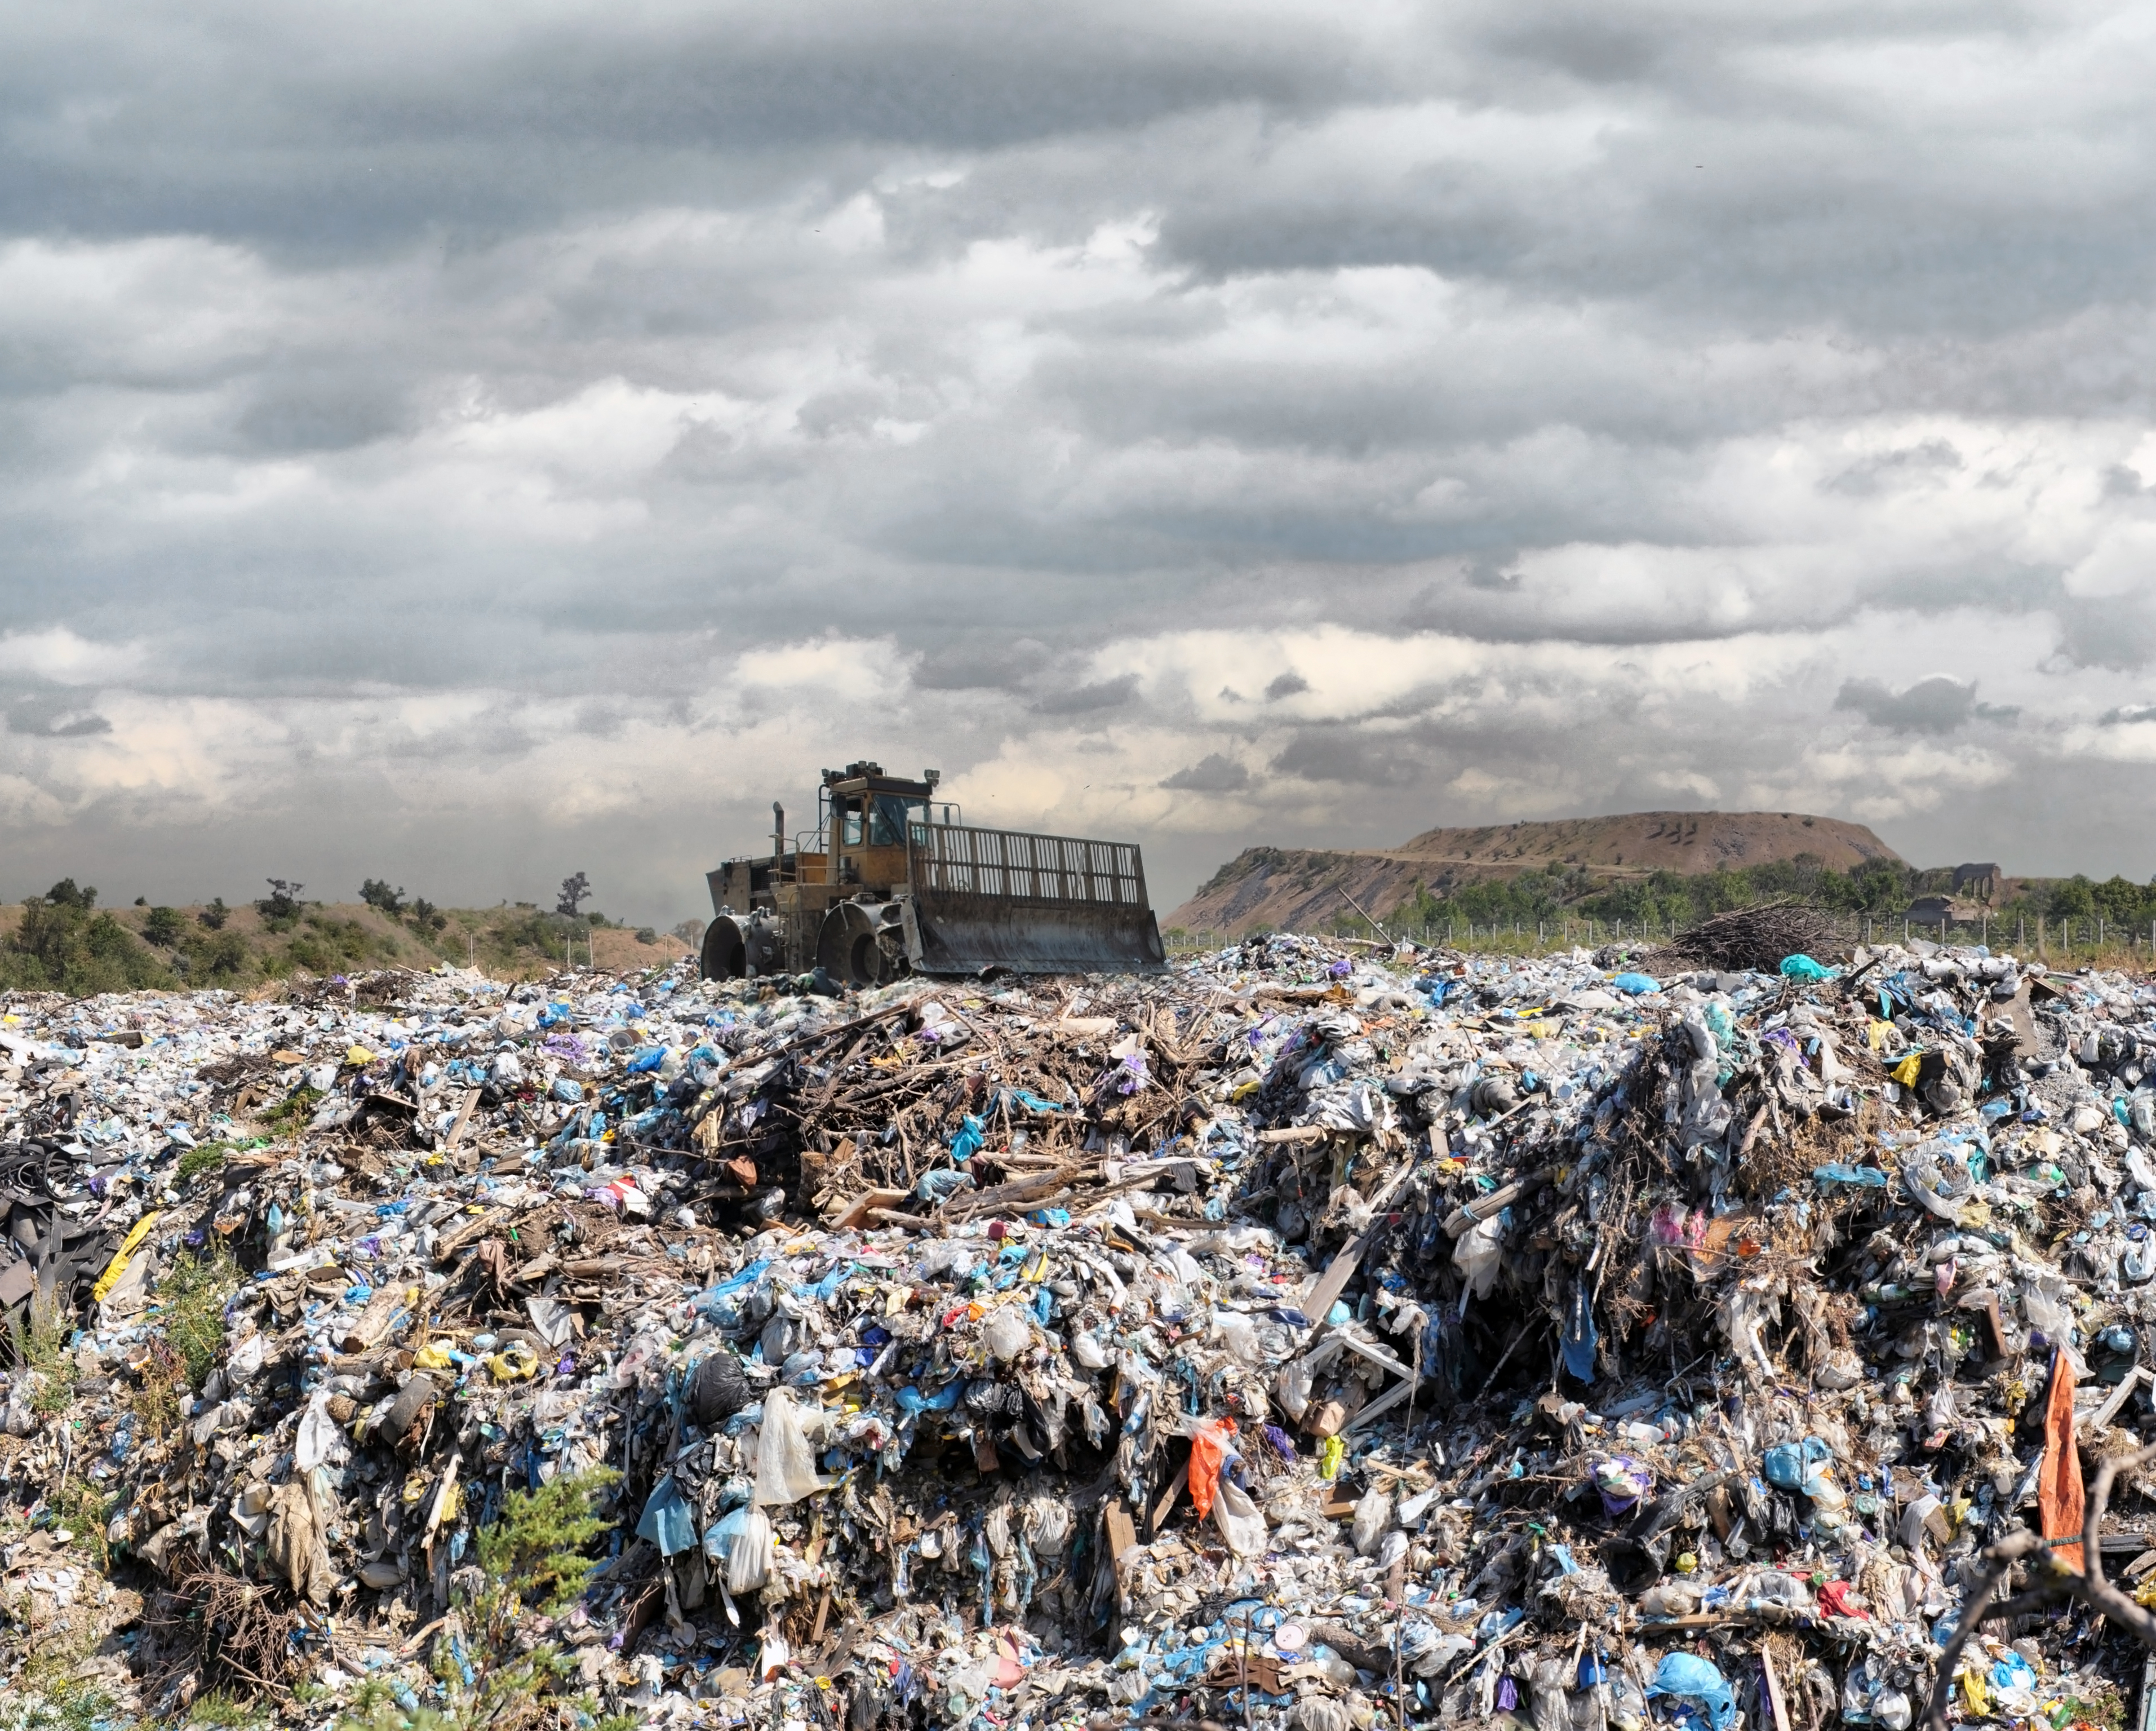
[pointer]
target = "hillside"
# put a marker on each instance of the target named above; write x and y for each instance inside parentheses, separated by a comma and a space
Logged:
(1306, 889)
(244, 949)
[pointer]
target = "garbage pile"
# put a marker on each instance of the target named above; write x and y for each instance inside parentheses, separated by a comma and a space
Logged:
(1316, 1335)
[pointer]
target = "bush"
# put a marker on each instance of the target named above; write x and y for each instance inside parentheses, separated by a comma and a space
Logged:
(219, 961)
(376, 893)
(426, 916)
(538, 1541)
(191, 1299)
(164, 926)
(62, 946)
(215, 915)
(281, 908)
(644, 934)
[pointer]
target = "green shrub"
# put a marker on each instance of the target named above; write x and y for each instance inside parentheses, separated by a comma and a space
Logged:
(538, 1541)
(376, 894)
(164, 926)
(191, 1300)
(61, 945)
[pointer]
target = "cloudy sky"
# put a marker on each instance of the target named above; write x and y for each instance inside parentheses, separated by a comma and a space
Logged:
(468, 444)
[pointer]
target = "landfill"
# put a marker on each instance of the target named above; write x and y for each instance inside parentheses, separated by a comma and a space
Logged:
(1314, 1334)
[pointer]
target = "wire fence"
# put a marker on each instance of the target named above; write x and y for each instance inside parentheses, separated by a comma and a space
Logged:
(2080, 943)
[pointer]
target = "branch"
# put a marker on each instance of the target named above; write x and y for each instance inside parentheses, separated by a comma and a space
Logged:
(1997, 1559)
(2094, 1590)
(2089, 1587)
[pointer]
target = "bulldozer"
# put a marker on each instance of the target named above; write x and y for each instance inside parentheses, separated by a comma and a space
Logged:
(889, 881)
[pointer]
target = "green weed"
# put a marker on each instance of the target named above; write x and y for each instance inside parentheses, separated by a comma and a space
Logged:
(539, 1539)
(191, 1298)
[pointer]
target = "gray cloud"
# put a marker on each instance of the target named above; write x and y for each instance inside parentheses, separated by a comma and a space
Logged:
(556, 431)
(1088, 699)
(55, 718)
(1212, 774)
(1937, 704)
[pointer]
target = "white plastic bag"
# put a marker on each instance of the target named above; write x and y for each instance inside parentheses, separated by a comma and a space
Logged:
(1478, 1253)
(1238, 1519)
(1008, 1333)
(1373, 1515)
(1238, 1334)
(1291, 1388)
(749, 1557)
(785, 1464)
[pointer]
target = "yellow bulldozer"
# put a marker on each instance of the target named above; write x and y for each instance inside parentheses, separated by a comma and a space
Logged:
(889, 881)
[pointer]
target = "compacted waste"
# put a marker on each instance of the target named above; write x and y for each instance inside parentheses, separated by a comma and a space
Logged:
(1317, 1334)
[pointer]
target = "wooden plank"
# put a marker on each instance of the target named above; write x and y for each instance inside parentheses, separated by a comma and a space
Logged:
(1774, 1690)
(1123, 1534)
(1181, 1484)
(463, 1116)
(862, 1206)
(1382, 1405)
(1342, 1268)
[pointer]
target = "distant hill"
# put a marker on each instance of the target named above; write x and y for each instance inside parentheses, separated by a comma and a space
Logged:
(1301, 889)
(243, 950)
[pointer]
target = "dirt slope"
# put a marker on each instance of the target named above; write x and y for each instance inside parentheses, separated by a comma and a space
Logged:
(1303, 889)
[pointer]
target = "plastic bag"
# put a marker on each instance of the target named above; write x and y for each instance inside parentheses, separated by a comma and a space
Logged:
(748, 1557)
(1373, 1515)
(1238, 1520)
(1292, 1390)
(1801, 966)
(1691, 1678)
(785, 1464)
(1208, 1448)
(1240, 1335)
(2047, 1314)
(1008, 1333)
(1479, 1254)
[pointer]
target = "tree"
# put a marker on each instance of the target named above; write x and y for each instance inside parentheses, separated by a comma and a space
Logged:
(215, 915)
(376, 894)
(61, 945)
(164, 926)
(426, 916)
(65, 894)
(574, 890)
(283, 900)
(2073, 900)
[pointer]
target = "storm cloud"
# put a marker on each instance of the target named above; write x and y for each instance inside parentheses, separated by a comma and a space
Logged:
(471, 446)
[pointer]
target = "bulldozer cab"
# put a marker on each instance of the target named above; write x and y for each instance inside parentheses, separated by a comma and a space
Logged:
(891, 881)
(868, 820)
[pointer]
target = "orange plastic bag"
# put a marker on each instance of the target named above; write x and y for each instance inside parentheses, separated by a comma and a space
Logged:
(1208, 1451)
(2058, 1484)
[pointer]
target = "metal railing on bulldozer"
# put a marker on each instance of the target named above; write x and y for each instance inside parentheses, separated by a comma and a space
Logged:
(959, 859)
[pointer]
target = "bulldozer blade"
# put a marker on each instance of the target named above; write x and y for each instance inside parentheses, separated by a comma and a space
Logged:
(968, 934)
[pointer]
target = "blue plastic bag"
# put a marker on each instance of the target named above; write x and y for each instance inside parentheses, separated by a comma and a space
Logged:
(1579, 1337)
(1636, 984)
(1871, 1177)
(1690, 1678)
(1802, 967)
(668, 1522)
(967, 1144)
(1796, 1466)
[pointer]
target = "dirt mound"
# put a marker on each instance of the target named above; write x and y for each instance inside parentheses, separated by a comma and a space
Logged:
(1303, 888)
